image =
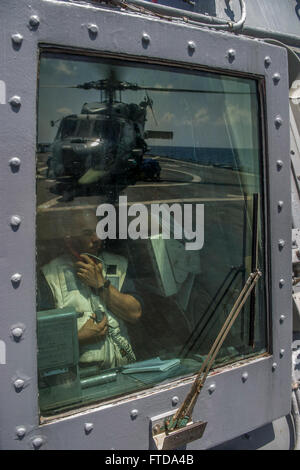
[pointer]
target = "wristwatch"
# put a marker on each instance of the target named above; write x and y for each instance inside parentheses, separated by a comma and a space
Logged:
(105, 285)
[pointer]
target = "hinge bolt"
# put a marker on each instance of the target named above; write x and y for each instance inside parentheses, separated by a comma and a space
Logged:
(156, 429)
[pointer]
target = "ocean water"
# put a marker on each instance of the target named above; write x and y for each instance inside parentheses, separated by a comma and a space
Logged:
(242, 159)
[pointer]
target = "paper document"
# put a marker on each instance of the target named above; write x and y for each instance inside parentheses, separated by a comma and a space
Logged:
(150, 365)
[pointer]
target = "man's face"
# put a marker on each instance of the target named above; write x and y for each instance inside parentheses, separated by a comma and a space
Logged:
(83, 236)
(88, 242)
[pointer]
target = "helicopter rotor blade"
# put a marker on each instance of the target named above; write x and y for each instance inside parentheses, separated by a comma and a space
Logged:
(58, 86)
(113, 83)
(186, 90)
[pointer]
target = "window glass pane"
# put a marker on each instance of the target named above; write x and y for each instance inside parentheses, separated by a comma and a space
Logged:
(150, 219)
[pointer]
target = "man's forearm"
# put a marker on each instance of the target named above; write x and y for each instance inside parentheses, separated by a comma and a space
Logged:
(124, 306)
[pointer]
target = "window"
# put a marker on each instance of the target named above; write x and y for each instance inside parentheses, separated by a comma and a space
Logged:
(146, 235)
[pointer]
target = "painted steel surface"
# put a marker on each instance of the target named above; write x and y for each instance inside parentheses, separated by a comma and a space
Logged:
(245, 404)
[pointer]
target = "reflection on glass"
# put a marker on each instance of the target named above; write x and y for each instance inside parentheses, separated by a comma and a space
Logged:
(134, 295)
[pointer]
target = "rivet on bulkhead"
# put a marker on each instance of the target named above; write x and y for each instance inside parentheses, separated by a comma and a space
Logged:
(281, 318)
(15, 101)
(34, 21)
(281, 244)
(281, 282)
(15, 221)
(134, 414)
(231, 54)
(267, 61)
(281, 352)
(212, 388)
(191, 47)
(278, 121)
(245, 376)
(175, 401)
(146, 40)
(14, 163)
(279, 164)
(280, 205)
(17, 39)
(274, 366)
(17, 332)
(276, 78)
(93, 29)
(19, 384)
(16, 278)
(20, 431)
(88, 427)
(37, 442)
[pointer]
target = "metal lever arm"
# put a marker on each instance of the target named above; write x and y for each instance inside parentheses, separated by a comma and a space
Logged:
(184, 413)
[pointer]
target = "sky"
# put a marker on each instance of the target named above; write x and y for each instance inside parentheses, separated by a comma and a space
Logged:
(196, 119)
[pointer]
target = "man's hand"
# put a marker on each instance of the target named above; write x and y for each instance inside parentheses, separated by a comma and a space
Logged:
(89, 272)
(93, 332)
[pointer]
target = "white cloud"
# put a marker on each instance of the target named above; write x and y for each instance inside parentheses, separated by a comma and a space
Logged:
(64, 68)
(167, 118)
(236, 114)
(200, 117)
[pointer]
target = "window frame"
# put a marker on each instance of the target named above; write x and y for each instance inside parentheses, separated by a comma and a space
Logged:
(245, 403)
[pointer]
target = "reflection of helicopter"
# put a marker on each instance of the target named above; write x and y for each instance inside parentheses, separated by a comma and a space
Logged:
(104, 145)
(102, 148)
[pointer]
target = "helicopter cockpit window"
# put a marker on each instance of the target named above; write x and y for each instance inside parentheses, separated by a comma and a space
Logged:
(106, 129)
(68, 128)
(84, 128)
(150, 219)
